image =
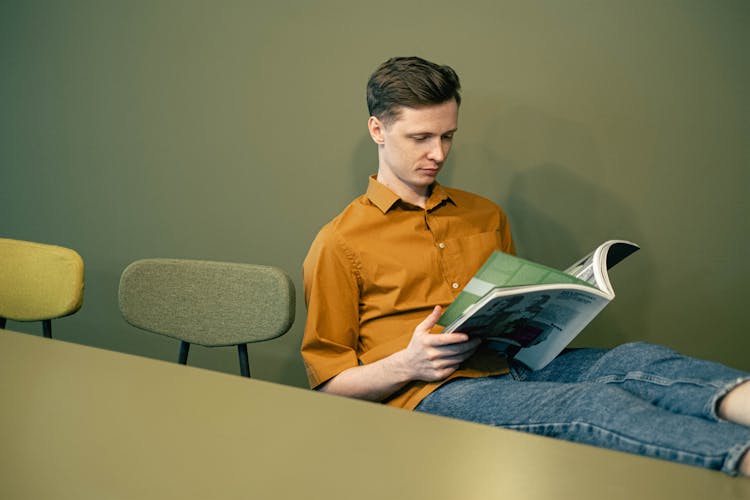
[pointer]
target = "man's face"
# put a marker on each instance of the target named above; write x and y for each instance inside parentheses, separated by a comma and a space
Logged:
(413, 148)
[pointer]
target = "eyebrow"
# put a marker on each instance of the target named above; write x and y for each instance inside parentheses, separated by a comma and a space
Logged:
(451, 131)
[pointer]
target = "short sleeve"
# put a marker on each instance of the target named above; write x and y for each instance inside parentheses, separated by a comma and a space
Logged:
(332, 298)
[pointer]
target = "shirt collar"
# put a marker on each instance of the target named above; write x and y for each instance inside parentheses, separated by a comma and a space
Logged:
(385, 199)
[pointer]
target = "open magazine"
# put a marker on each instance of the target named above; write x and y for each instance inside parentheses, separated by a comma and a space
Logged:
(530, 311)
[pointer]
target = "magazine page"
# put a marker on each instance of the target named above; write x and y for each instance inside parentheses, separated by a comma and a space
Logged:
(527, 312)
(584, 269)
(534, 327)
(609, 255)
(593, 267)
(502, 270)
(530, 311)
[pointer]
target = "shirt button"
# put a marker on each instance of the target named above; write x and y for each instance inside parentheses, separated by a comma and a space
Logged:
(455, 285)
(441, 244)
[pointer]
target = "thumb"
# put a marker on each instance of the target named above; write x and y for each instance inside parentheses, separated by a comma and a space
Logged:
(426, 325)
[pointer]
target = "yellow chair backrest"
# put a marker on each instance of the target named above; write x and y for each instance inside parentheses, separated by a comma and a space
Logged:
(39, 282)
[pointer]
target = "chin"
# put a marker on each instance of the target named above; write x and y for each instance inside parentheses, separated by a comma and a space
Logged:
(424, 181)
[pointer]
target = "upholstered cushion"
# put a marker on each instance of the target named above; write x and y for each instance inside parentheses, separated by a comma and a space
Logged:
(207, 303)
(39, 281)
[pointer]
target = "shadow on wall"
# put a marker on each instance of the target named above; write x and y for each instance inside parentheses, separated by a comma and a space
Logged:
(547, 174)
(364, 163)
(560, 216)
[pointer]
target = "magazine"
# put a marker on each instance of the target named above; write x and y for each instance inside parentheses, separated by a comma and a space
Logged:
(529, 311)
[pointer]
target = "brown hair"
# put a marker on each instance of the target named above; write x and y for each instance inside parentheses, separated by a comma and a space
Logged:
(412, 82)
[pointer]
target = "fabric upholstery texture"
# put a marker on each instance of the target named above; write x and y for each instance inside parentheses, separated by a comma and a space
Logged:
(207, 303)
(39, 281)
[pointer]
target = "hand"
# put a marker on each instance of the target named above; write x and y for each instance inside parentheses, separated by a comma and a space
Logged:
(431, 357)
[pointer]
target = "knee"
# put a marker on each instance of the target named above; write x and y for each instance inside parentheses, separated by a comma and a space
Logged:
(633, 356)
(645, 350)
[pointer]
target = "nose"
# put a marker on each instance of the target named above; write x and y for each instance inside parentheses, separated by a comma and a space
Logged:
(438, 151)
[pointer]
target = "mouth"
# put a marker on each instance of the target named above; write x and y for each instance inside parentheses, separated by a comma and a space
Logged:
(431, 171)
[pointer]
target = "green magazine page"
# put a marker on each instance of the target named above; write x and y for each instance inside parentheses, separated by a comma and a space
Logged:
(503, 270)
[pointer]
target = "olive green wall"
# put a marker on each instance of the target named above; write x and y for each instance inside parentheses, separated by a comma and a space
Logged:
(234, 130)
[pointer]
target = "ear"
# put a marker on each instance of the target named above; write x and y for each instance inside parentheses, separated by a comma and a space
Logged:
(377, 130)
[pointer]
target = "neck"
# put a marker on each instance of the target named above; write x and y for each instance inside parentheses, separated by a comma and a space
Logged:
(411, 194)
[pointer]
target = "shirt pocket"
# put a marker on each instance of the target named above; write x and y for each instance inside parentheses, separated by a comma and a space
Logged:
(462, 257)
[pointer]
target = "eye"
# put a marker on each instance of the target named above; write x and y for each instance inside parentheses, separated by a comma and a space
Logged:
(420, 138)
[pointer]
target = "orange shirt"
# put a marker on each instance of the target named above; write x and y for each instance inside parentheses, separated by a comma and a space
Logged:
(379, 268)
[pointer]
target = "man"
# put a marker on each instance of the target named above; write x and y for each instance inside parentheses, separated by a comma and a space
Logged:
(377, 276)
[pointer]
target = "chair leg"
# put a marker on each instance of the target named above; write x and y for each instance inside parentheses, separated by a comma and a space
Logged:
(184, 350)
(244, 363)
(47, 328)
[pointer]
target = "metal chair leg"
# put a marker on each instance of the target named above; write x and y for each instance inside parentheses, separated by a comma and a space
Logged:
(184, 350)
(47, 328)
(244, 363)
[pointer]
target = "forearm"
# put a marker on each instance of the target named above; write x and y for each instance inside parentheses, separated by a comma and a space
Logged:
(372, 382)
(428, 357)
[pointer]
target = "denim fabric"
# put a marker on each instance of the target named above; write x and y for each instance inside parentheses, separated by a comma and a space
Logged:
(639, 398)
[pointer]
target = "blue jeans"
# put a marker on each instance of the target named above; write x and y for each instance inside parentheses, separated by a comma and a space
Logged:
(639, 398)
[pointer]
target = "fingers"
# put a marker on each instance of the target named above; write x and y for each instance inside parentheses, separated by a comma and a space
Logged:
(458, 352)
(443, 366)
(434, 357)
(425, 327)
(454, 350)
(431, 320)
(445, 339)
(457, 358)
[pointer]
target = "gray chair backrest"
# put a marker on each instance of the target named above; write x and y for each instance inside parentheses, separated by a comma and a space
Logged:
(207, 303)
